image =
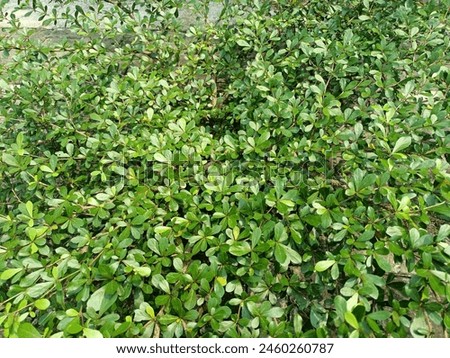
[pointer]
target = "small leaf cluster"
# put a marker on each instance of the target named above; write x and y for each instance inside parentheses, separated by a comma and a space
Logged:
(281, 171)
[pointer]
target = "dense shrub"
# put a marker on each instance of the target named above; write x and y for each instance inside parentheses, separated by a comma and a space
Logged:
(282, 171)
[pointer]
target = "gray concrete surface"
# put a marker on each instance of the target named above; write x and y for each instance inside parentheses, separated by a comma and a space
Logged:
(32, 20)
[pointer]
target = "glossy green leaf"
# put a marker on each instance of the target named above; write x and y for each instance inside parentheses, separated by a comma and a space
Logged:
(143, 271)
(351, 320)
(160, 282)
(39, 289)
(9, 273)
(379, 315)
(27, 330)
(42, 304)
(401, 144)
(10, 160)
(92, 333)
(324, 265)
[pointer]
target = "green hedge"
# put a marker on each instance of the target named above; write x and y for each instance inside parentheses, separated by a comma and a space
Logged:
(282, 172)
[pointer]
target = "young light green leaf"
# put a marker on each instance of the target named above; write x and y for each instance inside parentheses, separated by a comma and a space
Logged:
(240, 248)
(351, 320)
(27, 330)
(3, 84)
(46, 169)
(39, 289)
(42, 304)
(102, 196)
(162, 229)
(10, 160)
(7, 274)
(143, 271)
(160, 282)
(144, 313)
(72, 312)
(280, 232)
(298, 324)
(243, 43)
(292, 255)
(401, 144)
(444, 232)
(324, 265)
(178, 264)
(96, 299)
(321, 210)
(92, 333)
(150, 311)
(160, 158)
(150, 113)
(29, 207)
(275, 312)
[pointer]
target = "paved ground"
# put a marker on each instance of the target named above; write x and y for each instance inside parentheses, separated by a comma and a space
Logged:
(32, 20)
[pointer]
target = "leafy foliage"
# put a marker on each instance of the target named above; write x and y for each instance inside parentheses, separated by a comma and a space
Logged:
(282, 171)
